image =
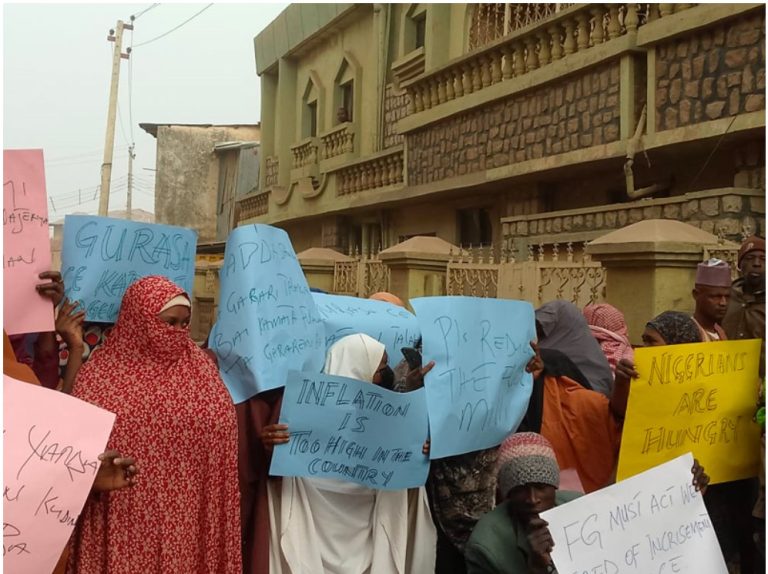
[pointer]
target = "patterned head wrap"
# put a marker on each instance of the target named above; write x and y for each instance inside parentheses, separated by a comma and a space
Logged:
(676, 328)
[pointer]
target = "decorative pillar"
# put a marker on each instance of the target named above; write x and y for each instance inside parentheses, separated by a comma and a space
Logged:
(651, 267)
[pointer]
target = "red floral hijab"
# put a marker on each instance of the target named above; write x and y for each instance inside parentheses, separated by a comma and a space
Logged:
(175, 416)
(139, 332)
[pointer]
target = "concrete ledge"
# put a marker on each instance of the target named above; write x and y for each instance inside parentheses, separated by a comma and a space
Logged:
(690, 20)
(704, 130)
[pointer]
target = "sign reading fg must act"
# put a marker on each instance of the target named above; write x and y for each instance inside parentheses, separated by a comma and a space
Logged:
(102, 256)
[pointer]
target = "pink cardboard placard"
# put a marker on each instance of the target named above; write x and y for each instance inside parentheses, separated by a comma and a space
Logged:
(51, 442)
(26, 242)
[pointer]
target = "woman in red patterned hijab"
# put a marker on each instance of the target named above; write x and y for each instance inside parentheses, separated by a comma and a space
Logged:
(175, 415)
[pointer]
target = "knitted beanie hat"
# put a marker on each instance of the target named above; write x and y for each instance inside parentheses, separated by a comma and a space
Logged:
(525, 458)
(752, 243)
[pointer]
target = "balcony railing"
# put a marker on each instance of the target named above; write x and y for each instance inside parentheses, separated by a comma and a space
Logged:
(304, 153)
(252, 206)
(378, 172)
(574, 30)
(338, 141)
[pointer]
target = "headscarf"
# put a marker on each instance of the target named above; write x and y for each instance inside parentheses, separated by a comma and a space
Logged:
(355, 356)
(563, 327)
(388, 298)
(676, 328)
(610, 330)
(174, 415)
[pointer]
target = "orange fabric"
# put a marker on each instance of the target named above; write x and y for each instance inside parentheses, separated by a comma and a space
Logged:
(388, 298)
(579, 424)
(21, 372)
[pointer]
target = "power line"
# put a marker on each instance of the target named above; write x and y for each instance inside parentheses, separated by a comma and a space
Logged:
(78, 162)
(195, 15)
(140, 14)
(130, 91)
(98, 151)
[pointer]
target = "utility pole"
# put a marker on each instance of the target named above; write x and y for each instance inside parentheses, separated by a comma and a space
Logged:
(131, 156)
(109, 143)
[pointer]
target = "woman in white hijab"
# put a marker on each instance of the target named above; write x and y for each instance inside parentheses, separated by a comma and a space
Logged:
(338, 527)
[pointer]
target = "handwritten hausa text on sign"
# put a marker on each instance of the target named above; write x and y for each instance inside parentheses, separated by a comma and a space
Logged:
(267, 322)
(49, 465)
(102, 256)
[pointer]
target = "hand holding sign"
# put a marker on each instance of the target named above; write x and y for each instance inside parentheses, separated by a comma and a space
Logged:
(653, 522)
(698, 397)
(49, 466)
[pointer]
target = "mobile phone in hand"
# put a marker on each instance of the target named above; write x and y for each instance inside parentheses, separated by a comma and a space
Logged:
(412, 357)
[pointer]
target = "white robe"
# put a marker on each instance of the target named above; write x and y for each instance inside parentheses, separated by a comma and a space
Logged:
(336, 527)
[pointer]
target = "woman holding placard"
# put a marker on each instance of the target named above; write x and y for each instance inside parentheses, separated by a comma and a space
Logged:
(325, 525)
(175, 416)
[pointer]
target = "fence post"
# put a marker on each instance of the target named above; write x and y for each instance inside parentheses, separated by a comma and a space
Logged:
(418, 266)
(651, 267)
(318, 264)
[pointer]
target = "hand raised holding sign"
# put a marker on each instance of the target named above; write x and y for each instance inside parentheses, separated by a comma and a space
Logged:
(536, 364)
(115, 472)
(700, 478)
(275, 434)
(53, 290)
(69, 325)
(415, 377)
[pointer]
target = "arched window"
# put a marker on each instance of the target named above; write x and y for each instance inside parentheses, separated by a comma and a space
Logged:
(490, 22)
(310, 110)
(346, 91)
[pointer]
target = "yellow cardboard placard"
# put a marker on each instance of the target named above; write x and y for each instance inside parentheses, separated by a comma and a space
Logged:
(698, 398)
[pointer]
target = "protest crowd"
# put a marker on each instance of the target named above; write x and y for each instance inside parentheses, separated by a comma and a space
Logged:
(185, 483)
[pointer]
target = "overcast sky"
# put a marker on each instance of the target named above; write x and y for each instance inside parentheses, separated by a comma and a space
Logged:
(56, 74)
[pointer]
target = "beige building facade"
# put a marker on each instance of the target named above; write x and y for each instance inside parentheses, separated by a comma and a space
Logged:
(508, 126)
(201, 170)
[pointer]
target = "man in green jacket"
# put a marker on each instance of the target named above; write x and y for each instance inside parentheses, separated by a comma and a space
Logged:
(512, 539)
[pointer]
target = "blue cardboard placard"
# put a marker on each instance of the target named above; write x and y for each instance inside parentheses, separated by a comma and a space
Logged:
(389, 324)
(352, 430)
(267, 322)
(478, 391)
(102, 256)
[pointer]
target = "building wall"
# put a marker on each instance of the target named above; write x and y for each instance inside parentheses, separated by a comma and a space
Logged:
(579, 112)
(715, 73)
(187, 181)
(548, 133)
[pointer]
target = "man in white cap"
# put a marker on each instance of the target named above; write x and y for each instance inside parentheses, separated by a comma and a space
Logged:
(711, 293)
